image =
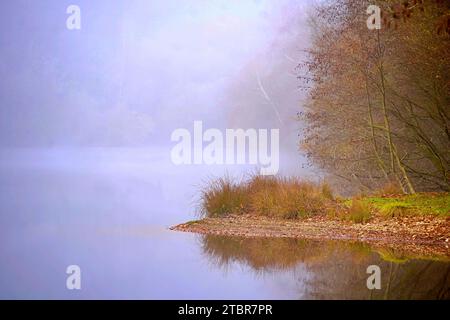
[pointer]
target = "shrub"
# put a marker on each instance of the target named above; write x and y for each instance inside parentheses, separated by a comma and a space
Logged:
(285, 198)
(298, 200)
(359, 212)
(222, 197)
(327, 193)
(262, 195)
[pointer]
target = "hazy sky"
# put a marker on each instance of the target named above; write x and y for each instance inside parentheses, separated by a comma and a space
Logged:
(138, 69)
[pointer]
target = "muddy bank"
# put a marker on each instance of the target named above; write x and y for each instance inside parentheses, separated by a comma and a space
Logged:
(423, 235)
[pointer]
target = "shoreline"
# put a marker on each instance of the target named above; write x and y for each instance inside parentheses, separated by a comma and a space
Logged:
(423, 235)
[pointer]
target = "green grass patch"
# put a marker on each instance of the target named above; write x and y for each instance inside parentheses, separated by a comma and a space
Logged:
(423, 203)
(395, 209)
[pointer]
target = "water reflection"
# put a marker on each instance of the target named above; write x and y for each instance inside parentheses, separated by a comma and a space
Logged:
(108, 212)
(334, 270)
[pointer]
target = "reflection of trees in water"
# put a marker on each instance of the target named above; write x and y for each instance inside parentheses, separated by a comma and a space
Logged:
(260, 254)
(338, 269)
(341, 277)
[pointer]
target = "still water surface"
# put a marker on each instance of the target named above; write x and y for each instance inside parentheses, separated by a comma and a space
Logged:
(108, 211)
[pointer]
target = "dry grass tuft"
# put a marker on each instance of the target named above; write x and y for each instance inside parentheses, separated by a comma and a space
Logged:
(287, 198)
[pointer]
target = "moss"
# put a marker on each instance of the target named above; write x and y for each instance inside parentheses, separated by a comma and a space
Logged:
(395, 209)
(422, 203)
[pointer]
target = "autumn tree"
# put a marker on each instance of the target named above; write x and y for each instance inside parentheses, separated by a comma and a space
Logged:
(378, 106)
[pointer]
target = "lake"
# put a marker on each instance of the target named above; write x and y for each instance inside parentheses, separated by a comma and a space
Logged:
(108, 211)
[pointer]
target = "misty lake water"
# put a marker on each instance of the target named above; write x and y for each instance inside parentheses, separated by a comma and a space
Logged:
(108, 211)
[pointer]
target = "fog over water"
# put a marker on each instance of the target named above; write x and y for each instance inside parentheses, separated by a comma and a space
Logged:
(136, 70)
(86, 118)
(105, 99)
(86, 175)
